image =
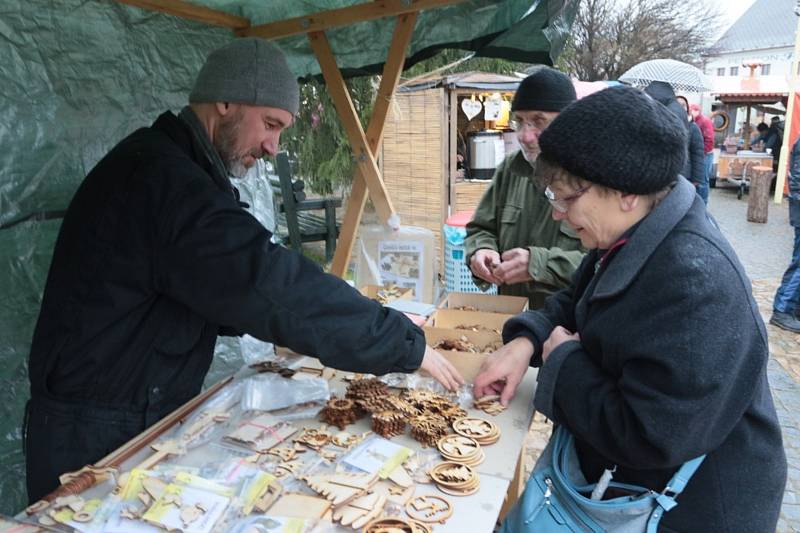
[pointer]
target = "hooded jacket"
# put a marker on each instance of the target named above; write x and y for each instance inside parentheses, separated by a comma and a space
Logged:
(694, 168)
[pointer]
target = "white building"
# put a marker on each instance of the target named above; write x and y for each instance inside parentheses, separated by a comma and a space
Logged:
(762, 37)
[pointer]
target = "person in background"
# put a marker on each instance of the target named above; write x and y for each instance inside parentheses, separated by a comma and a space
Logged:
(707, 130)
(761, 134)
(786, 305)
(694, 168)
(512, 240)
(156, 258)
(774, 141)
(656, 354)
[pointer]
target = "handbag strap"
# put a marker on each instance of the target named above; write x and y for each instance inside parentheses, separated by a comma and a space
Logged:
(678, 482)
(674, 487)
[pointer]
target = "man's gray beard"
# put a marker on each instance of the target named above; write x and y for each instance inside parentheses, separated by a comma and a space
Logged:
(225, 143)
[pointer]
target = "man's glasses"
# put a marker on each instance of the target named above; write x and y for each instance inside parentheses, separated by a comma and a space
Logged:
(562, 205)
(517, 124)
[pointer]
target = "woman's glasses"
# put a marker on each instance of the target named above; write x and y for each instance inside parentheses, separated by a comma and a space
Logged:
(562, 205)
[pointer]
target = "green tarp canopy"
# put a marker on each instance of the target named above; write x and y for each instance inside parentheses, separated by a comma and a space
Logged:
(79, 75)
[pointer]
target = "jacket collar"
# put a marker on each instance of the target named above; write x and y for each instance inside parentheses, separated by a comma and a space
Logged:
(652, 230)
(519, 165)
(186, 131)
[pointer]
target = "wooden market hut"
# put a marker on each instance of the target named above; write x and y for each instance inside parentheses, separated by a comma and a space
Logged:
(79, 75)
(426, 130)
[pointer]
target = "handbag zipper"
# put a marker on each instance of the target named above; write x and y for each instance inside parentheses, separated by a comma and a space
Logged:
(543, 504)
(550, 489)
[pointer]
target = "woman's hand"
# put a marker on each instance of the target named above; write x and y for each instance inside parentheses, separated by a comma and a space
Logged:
(558, 336)
(504, 369)
(441, 369)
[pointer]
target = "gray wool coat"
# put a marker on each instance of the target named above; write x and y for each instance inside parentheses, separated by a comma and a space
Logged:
(671, 364)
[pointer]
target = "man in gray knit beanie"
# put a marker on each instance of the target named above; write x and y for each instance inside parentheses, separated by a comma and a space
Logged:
(156, 258)
(244, 96)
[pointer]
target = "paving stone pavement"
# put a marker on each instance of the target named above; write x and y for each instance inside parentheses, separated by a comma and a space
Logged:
(764, 250)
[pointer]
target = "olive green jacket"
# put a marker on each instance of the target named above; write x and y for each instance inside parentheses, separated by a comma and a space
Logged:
(514, 213)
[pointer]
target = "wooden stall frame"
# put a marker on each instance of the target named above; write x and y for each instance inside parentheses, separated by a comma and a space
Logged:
(364, 146)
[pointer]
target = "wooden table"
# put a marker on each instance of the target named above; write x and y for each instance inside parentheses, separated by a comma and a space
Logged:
(501, 471)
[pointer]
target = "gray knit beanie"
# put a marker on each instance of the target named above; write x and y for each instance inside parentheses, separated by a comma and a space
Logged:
(248, 71)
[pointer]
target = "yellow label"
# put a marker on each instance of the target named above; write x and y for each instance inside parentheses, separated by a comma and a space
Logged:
(134, 485)
(293, 525)
(394, 461)
(66, 514)
(164, 504)
(202, 483)
(255, 489)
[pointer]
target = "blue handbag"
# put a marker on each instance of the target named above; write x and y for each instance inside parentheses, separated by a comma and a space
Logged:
(555, 497)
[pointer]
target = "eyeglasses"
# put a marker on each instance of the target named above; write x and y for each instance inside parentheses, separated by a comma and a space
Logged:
(538, 123)
(562, 205)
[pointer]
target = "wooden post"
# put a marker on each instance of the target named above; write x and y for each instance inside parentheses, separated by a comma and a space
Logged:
(358, 194)
(758, 201)
(746, 130)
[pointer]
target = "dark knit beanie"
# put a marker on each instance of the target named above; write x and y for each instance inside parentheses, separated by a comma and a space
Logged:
(619, 138)
(545, 90)
(248, 71)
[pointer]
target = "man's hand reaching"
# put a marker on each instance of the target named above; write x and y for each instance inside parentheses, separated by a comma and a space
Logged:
(441, 369)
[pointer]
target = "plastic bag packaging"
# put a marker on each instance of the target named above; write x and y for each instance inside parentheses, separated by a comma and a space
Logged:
(269, 524)
(465, 396)
(404, 257)
(268, 392)
(301, 411)
(397, 380)
(420, 463)
(255, 350)
(210, 418)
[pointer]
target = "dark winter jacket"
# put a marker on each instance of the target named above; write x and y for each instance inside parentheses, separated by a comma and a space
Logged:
(694, 168)
(155, 258)
(671, 364)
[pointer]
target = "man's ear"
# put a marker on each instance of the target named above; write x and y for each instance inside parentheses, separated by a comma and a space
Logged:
(223, 108)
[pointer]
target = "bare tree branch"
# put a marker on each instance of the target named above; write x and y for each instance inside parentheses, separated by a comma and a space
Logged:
(609, 37)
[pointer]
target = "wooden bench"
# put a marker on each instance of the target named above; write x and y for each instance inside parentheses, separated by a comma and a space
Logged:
(294, 211)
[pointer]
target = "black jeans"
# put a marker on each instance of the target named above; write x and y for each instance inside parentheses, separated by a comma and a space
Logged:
(63, 437)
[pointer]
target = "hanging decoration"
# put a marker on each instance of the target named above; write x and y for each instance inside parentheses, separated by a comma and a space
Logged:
(471, 107)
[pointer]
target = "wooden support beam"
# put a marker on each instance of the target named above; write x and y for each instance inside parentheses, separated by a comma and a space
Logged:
(345, 16)
(392, 69)
(189, 11)
(365, 160)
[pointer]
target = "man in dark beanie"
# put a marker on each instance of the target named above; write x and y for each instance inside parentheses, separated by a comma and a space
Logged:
(656, 353)
(156, 257)
(512, 241)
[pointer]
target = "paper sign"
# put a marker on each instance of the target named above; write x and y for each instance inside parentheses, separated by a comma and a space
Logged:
(471, 108)
(491, 109)
(378, 455)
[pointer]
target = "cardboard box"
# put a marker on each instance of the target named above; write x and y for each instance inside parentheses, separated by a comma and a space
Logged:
(490, 303)
(468, 364)
(371, 292)
(453, 318)
(485, 341)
